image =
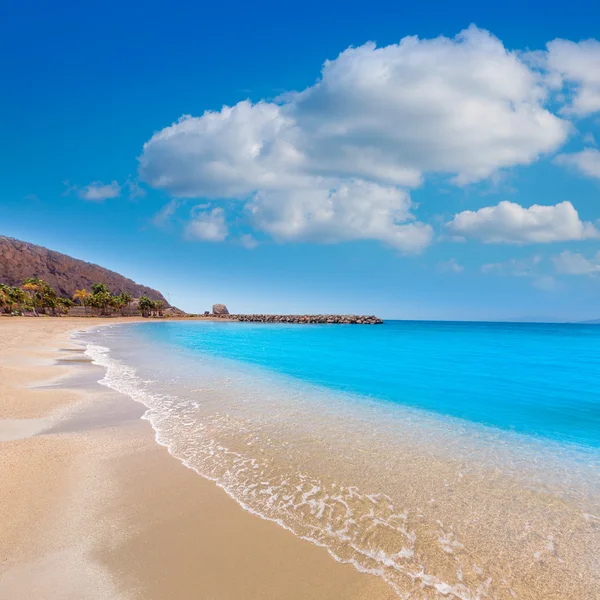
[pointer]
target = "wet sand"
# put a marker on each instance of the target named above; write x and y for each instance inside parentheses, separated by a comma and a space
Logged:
(93, 508)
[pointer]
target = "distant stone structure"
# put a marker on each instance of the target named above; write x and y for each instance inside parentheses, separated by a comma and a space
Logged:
(304, 319)
(219, 310)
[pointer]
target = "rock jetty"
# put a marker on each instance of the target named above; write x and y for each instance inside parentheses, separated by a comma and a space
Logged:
(304, 319)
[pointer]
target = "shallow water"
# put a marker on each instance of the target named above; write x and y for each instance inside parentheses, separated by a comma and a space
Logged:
(451, 459)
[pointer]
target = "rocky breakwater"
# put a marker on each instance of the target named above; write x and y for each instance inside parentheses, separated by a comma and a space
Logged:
(305, 319)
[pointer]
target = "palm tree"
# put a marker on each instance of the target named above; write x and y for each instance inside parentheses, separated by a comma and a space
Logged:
(117, 303)
(101, 299)
(81, 296)
(5, 300)
(64, 305)
(103, 302)
(98, 288)
(159, 305)
(33, 286)
(51, 303)
(145, 305)
(18, 297)
(126, 300)
(48, 297)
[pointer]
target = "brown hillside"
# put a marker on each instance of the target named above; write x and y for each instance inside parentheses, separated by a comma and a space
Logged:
(19, 260)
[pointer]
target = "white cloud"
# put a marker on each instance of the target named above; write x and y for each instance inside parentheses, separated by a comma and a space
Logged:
(134, 189)
(510, 223)
(450, 266)
(516, 267)
(586, 162)
(527, 268)
(573, 263)
(578, 66)
(355, 210)
(248, 241)
(226, 154)
(315, 164)
(207, 225)
(546, 283)
(98, 191)
(165, 214)
(589, 139)
(464, 106)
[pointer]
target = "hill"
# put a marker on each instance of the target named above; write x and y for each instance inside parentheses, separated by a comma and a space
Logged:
(19, 260)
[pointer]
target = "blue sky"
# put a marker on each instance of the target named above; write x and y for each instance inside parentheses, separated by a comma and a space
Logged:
(452, 175)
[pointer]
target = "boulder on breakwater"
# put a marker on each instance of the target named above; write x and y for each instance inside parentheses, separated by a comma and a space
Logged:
(305, 319)
(220, 310)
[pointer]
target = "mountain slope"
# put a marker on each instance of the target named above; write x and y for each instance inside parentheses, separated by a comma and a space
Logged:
(19, 260)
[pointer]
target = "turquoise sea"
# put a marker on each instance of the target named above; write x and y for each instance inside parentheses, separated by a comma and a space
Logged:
(451, 459)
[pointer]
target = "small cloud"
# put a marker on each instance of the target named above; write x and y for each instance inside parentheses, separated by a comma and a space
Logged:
(134, 190)
(515, 267)
(166, 212)
(207, 225)
(511, 223)
(546, 283)
(248, 241)
(98, 191)
(95, 191)
(586, 162)
(69, 189)
(589, 139)
(525, 268)
(574, 65)
(32, 197)
(573, 263)
(450, 266)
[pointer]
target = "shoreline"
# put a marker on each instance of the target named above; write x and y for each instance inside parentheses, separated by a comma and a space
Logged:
(95, 508)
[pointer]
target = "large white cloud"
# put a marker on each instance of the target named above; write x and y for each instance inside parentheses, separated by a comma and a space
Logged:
(511, 223)
(577, 65)
(327, 163)
(464, 106)
(586, 162)
(573, 263)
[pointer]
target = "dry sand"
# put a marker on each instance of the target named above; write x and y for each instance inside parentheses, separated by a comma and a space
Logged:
(93, 508)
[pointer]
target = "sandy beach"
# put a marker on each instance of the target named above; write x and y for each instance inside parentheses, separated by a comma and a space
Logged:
(93, 508)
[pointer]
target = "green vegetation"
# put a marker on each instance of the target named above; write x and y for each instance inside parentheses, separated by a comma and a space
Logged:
(125, 301)
(81, 296)
(12, 299)
(145, 305)
(38, 297)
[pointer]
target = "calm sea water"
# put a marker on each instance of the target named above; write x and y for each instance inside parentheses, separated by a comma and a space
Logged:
(540, 379)
(418, 451)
